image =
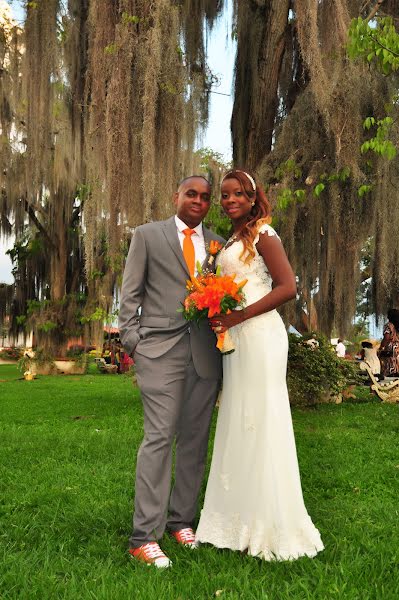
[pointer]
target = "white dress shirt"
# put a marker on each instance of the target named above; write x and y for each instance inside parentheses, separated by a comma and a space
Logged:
(197, 238)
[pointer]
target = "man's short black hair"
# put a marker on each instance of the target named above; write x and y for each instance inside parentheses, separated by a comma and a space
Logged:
(192, 177)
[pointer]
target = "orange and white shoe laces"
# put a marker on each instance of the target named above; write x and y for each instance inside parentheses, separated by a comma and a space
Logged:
(185, 537)
(151, 554)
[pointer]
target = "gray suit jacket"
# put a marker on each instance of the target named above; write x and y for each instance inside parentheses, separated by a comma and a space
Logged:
(155, 279)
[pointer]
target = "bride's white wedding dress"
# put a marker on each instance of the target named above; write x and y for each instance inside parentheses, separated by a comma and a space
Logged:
(253, 498)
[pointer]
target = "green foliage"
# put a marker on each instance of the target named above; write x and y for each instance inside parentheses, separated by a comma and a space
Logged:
(368, 122)
(379, 144)
(209, 159)
(376, 43)
(300, 195)
(80, 297)
(99, 314)
(78, 355)
(169, 88)
(47, 326)
(96, 274)
(75, 351)
(316, 374)
(289, 167)
(10, 353)
(35, 306)
(213, 165)
(364, 189)
(24, 363)
(217, 220)
(40, 357)
(342, 176)
(25, 248)
(318, 189)
(83, 192)
(287, 196)
(129, 19)
(111, 48)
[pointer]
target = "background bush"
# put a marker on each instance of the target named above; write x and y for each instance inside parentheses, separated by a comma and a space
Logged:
(10, 353)
(316, 374)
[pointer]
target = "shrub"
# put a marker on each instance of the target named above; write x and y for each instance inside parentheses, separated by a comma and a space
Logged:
(75, 351)
(38, 357)
(315, 373)
(10, 353)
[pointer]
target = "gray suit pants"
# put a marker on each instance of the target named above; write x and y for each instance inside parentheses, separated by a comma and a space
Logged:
(177, 404)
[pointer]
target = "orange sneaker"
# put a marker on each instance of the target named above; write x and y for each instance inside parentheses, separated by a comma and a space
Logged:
(151, 554)
(185, 537)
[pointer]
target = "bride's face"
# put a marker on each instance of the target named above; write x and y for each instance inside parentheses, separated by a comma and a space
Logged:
(235, 202)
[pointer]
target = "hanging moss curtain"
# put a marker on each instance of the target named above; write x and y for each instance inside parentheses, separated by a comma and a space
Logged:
(298, 120)
(100, 104)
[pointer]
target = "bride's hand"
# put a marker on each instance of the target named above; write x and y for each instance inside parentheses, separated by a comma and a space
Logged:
(221, 323)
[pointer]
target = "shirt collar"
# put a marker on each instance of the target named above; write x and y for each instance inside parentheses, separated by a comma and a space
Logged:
(181, 225)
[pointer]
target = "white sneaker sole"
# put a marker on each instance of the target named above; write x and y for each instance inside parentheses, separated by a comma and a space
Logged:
(159, 563)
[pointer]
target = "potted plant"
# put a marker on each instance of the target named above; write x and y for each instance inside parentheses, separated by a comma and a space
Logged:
(36, 362)
(74, 363)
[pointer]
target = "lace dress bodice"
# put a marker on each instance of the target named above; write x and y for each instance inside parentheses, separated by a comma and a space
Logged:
(259, 281)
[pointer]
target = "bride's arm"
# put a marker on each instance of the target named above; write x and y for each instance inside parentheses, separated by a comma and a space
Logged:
(284, 284)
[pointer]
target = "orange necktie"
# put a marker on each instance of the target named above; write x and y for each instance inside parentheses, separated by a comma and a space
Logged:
(188, 250)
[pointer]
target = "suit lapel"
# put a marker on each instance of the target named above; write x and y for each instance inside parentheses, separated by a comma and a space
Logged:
(170, 231)
(207, 239)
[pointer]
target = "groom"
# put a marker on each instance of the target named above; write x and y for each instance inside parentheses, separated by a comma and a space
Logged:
(177, 368)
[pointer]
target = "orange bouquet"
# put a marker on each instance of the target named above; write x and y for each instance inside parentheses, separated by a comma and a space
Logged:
(212, 294)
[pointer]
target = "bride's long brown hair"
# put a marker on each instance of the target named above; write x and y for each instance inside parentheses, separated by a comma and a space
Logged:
(259, 215)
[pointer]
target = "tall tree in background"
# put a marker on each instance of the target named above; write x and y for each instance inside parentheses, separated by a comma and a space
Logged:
(100, 107)
(311, 102)
(261, 34)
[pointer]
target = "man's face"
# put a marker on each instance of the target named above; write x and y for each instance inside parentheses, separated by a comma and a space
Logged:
(193, 200)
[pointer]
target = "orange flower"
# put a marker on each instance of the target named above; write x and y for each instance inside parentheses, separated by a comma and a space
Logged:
(214, 247)
(212, 294)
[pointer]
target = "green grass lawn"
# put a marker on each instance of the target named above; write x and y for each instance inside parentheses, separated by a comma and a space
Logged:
(67, 456)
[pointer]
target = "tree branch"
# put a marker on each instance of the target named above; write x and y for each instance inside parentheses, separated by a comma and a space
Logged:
(384, 47)
(35, 220)
(374, 10)
(38, 207)
(364, 6)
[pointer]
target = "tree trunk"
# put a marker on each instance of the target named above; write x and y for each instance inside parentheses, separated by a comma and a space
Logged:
(261, 41)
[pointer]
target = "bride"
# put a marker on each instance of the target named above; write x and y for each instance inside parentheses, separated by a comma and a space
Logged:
(253, 499)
